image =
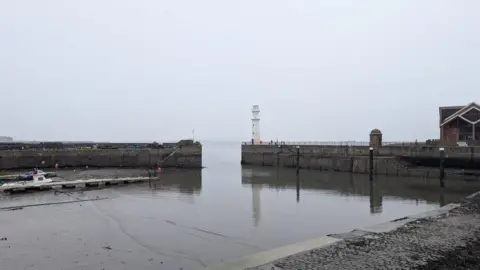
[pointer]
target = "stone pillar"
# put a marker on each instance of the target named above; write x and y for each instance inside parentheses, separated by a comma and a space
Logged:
(474, 137)
(375, 139)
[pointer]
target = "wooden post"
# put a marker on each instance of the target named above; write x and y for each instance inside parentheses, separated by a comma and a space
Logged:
(442, 168)
(371, 164)
(298, 159)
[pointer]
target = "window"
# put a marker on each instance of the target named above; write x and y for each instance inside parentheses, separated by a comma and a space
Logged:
(465, 130)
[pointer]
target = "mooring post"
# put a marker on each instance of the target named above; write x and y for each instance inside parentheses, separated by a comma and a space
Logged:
(298, 159)
(371, 163)
(442, 167)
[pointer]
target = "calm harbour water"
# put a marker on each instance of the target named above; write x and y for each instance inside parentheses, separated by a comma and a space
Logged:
(194, 218)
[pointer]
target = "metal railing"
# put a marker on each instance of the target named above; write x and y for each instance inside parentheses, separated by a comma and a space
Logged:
(332, 143)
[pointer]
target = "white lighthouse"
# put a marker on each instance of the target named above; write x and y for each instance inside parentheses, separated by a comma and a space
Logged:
(255, 125)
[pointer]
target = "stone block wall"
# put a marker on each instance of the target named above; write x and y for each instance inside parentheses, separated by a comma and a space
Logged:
(187, 156)
(331, 158)
(397, 150)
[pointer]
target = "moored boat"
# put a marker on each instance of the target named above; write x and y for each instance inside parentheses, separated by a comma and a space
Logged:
(28, 176)
(36, 179)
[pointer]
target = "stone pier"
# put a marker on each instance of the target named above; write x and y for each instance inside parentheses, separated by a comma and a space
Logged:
(411, 160)
(187, 156)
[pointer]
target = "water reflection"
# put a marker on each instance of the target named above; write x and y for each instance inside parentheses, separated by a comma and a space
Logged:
(353, 185)
(256, 189)
(375, 199)
(298, 188)
(183, 181)
(442, 199)
(183, 184)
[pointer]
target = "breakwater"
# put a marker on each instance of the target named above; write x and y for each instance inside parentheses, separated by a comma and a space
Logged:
(186, 156)
(413, 161)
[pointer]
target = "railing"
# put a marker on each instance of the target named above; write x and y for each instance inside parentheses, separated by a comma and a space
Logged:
(332, 143)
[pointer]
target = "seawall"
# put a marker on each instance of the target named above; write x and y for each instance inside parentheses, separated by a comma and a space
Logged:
(186, 156)
(391, 161)
(386, 151)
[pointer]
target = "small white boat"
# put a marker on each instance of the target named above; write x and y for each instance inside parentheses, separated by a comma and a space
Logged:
(38, 179)
(32, 173)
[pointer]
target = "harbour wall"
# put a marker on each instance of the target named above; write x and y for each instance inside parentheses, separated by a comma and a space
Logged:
(406, 151)
(394, 161)
(186, 156)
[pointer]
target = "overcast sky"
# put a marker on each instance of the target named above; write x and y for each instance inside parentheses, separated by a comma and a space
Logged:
(154, 70)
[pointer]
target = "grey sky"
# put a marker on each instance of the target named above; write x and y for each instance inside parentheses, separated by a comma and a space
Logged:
(154, 70)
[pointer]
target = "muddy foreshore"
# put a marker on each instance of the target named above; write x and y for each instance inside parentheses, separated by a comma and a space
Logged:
(121, 227)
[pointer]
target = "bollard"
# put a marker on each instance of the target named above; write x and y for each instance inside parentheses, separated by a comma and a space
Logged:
(371, 164)
(298, 159)
(442, 168)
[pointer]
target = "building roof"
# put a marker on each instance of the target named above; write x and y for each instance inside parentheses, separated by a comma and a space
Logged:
(462, 110)
(375, 131)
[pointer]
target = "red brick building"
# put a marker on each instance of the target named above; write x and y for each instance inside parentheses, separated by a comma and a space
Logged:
(460, 123)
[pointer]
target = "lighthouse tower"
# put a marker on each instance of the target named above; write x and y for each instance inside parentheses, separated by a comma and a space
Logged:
(255, 125)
